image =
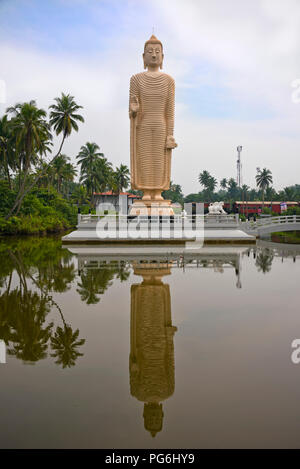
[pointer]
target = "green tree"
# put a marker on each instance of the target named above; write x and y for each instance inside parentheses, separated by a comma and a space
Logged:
(223, 183)
(7, 155)
(95, 170)
(232, 189)
(204, 178)
(208, 182)
(63, 118)
(263, 180)
(64, 171)
(122, 177)
(174, 193)
(79, 195)
(33, 137)
(289, 193)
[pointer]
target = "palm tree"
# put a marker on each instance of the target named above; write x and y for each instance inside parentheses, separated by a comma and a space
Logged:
(232, 188)
(245, 190)
(174, 193)
(223, 183)
(7, 155)
(122, 177)
(79, 195)
(59, 168)
(64, 170)
(204, 178)
(289, 193)
(68, 176)
(263, 180)
(63, 118)
(208, 181)
(94, 168)
(33, 137)
(212, 184)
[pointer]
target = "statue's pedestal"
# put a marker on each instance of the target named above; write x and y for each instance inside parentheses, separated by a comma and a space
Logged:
(151, 208)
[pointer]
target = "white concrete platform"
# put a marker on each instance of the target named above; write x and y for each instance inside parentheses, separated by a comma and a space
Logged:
(211, 236)
(227, 235)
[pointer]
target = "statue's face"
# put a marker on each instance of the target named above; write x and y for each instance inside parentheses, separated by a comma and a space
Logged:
(153, 55)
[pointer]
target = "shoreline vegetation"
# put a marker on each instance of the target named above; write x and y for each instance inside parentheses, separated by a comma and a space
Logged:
(38, 191)
(289, 237)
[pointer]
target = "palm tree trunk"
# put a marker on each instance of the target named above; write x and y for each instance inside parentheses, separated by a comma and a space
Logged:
(20, 195)
(7, 171)
(18, 203)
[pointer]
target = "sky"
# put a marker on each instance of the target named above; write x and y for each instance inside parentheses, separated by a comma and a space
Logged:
(235, 64)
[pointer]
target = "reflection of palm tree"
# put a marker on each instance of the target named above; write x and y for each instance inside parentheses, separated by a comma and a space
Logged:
(264, 261)
(64, 343)
(94, 283)
(5, 313)
(27, 316)
(23, 312)
(123, 272)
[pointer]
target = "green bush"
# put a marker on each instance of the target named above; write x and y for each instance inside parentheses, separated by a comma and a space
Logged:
(42, 211)
(292, 211)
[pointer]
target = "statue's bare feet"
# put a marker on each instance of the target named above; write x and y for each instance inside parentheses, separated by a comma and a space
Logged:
(146, 196)
(158, 196)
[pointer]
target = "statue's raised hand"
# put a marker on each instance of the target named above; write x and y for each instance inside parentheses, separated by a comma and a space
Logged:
(170, 143)
(134, 106)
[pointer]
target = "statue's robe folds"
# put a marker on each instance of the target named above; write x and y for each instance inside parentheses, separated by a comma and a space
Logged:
(149, 158)
(152, 349)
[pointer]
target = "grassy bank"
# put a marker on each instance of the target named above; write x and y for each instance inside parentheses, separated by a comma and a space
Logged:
(291, 237)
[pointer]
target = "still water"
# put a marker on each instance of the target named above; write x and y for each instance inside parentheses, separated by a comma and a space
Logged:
(153, 351)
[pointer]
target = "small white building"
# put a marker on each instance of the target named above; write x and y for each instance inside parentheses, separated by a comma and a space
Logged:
(113, 202)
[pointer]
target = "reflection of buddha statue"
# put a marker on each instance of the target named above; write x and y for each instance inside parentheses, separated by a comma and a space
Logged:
(151, 112)
(151, 360)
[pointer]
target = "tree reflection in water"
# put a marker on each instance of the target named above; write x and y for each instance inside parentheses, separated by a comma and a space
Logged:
(30, 270)
(95, 281)
(264, 260)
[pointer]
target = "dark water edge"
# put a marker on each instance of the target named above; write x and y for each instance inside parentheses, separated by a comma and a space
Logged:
(292, 237)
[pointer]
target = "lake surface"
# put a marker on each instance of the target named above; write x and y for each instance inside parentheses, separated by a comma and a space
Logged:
(155, 351)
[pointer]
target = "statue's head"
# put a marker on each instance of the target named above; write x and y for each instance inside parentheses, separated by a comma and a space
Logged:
(153, 417)
(153, 52)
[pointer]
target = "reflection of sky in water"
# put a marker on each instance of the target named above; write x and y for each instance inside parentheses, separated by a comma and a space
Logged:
(225, 377)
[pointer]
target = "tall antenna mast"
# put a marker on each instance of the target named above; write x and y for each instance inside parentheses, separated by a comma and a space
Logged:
(239, 167)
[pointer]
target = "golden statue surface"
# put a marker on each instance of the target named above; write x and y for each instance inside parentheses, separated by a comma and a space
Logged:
(151, 112)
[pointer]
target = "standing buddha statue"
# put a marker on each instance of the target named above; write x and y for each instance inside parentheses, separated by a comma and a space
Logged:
(151, 112)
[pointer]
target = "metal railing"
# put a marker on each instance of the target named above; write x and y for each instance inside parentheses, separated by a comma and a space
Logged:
(272, 221)
(208, 220)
